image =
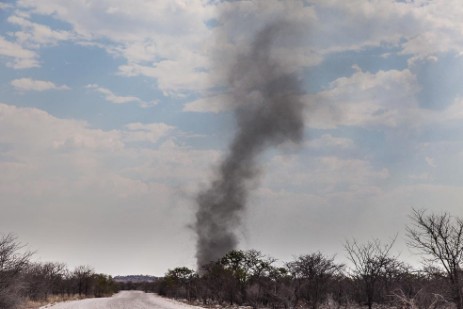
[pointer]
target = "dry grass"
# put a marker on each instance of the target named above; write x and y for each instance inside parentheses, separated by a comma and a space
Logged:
(53, 299)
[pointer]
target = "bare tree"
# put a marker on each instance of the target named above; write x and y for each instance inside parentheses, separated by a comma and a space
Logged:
(215, 283)
(371, 262)
(259, 268)
(312, 273)
(44, 279)
(440, 238)
(13, 261)
(83, 275)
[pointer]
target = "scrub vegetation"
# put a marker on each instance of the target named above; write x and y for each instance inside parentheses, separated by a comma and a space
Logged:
(375, 277)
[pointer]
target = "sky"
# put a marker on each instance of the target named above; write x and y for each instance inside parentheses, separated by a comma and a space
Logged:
(114, 115)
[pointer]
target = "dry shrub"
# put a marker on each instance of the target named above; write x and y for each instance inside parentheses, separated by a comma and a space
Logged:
(420, 300)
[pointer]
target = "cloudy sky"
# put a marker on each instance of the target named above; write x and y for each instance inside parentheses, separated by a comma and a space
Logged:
(112, 118)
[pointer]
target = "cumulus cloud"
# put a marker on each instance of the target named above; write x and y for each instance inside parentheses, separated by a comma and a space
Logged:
(138, 132)
(28, 84)
(330, 175)
(35, 35)
(27, 41)
(117, 99)
(49, 133)
(439, 30)
(35, 136)
(174, 77)
(21, 57)
(182, 47)
(149, 37)
(213, 104)
(75, 173)
(454, 111)
(385, 98)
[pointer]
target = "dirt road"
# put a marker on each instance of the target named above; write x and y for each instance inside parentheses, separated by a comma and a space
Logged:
(123, 300)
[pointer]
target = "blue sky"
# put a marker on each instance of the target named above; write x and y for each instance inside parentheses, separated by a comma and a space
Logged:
(113, 115)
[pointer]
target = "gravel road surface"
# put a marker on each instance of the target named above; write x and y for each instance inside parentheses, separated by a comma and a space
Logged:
(123, 300)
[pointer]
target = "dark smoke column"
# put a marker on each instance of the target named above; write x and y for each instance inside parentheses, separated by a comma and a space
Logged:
(269, 113)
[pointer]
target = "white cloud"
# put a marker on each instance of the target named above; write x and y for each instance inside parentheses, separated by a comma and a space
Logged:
(378, 23)
(70, 148)
(45, 133)
(213, 104)
(28, 84)
(454, 111)
(385, 98)
(170, 41)
(116, 99)
(352, 171)
(34, 35)
(31, 37)
(133, 173)
(61, 172)
(173, 77)
(329, 141)
(149, 36)
(165, 40)
(440, 30)
(329, 176)
(22, 58)
(138, 132)
(419, 28)
(123, 20)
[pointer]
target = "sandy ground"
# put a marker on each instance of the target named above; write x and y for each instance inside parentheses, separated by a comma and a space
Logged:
(123, 300)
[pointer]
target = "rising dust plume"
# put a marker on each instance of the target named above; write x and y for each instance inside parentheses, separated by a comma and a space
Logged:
(269, 113)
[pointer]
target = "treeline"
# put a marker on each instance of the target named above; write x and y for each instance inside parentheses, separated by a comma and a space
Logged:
(375, 276)
(21, 279)
(249, 278)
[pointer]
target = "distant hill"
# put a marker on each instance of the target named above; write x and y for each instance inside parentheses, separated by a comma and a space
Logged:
(135, 278)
